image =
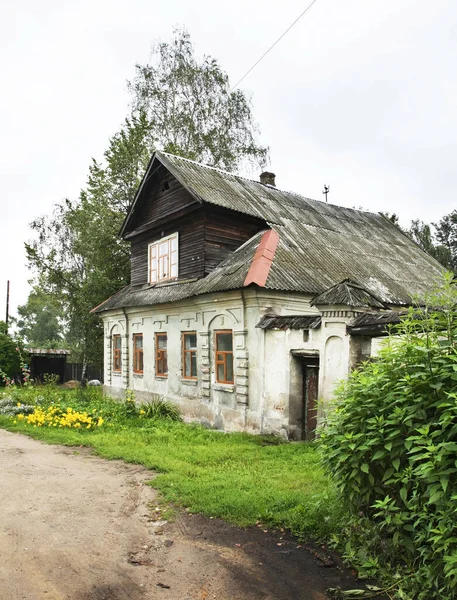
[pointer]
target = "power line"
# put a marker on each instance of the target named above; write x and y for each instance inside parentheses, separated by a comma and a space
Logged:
(271, 47)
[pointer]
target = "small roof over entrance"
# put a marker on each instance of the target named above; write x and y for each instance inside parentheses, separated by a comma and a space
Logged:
(290, 322)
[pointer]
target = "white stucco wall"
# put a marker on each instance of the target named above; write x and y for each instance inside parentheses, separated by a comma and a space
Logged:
(268, 379)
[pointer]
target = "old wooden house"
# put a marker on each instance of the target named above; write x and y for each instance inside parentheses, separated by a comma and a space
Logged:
(247, 304)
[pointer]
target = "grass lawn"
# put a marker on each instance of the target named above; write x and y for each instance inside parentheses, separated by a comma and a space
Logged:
(241, 478)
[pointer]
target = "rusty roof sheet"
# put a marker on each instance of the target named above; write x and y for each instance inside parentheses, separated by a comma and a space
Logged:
(320, 244)
(290, 322)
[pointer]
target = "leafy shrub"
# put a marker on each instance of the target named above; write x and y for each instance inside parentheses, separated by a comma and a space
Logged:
(160, 409)
(390, 445)
(10, 407)
(9, 358)
(51, 379)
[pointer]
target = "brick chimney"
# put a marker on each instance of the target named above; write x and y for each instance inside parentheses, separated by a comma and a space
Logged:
(268, 178)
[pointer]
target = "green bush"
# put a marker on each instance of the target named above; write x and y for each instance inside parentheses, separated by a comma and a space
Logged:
(9, 357)
(160, 409)
(9, 407)
(391, 448)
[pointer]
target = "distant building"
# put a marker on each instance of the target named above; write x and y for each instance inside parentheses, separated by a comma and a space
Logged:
(247, 303)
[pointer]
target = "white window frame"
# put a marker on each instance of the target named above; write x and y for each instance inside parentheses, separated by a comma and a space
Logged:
(156, 244)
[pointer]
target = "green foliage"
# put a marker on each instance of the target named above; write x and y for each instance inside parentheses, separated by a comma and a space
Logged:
(239, 477)
(160, 409)
(192, 109)
(446, 233)
(179, 104)
(431, 242)
(40, 319)
(51, 379)
(129, 406)
(390, 446)
(9, 358)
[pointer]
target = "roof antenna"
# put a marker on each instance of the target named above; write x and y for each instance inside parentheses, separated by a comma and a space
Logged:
(326, 191)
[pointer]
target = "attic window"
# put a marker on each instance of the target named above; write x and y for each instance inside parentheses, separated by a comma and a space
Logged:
(163, 259)
(165, 186)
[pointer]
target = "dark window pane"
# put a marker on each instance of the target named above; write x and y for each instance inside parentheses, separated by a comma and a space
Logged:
(194, 365)
(165, 363)
(229, 359)
(224, 342)
(140, 360)
(138, 341)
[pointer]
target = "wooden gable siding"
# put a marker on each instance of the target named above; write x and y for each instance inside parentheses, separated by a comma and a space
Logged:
(206, 238)
(225, 231)
(162, 198)
(207, 234)
(190, 251)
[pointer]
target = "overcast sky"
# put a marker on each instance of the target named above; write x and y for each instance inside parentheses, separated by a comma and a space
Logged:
(360, 95)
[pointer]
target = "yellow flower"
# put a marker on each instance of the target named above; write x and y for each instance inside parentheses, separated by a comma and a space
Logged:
(20, 417)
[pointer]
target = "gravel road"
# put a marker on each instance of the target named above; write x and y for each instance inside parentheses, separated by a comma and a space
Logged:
(77, 527)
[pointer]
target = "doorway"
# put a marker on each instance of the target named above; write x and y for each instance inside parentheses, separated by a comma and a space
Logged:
(310, 397)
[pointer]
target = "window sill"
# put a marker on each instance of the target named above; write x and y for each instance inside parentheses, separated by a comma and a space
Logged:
(185, 381)
(138, 375)
(224, 387)
(161, 377)
(116, 374)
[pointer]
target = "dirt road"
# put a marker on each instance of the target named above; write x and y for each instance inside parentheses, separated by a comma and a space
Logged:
(76, 527)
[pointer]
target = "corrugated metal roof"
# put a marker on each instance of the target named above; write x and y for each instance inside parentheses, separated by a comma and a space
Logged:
(320, 244)
(289, 322)
(348, 293)
(378, 318)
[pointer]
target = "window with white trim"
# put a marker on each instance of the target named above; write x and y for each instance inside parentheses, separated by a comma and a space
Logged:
(163, 259)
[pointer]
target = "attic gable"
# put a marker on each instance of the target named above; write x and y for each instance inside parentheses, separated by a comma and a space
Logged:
(160, 196)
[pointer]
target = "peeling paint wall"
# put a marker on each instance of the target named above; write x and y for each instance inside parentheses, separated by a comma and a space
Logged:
(267, 393)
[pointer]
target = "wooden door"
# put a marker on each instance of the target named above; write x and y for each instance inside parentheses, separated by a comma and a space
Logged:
(310, 397)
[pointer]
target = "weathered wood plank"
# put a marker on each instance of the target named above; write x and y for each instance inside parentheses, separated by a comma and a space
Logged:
(207, 234)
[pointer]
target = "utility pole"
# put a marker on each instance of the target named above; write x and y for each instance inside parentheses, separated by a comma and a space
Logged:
(326, 191)
(7, 304)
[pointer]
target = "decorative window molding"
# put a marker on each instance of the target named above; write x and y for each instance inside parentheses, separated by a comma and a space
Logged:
(138, 353)
(161, 342)
(163, 259)
(189, 355)
(224, 356)
(117, 353)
